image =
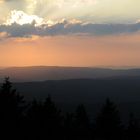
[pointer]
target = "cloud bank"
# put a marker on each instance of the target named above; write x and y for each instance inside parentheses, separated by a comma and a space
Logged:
(68, 28)
(21, 24)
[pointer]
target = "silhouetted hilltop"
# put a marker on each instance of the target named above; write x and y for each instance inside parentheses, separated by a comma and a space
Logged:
(41, 73)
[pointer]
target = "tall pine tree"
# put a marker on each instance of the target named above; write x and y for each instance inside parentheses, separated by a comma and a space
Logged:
(133, 130)
(11, 109)
(82, 124)
(108, 123)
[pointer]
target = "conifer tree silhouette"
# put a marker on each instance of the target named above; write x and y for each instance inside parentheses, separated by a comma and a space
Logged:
(81, 117)
(52, 118)
(133, 131)
(82, 124)
(34, 120)
(69, 126)
(108, 123)
(11, 108)
(45, 120)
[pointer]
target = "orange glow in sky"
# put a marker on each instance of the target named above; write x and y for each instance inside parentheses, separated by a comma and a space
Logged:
(71, 51)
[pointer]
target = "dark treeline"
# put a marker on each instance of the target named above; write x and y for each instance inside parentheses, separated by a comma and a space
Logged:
(44, 121)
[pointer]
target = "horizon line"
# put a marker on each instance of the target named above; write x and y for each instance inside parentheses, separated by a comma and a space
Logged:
(68, 66)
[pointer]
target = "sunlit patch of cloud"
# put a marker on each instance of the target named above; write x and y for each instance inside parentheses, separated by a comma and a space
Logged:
(21, 18)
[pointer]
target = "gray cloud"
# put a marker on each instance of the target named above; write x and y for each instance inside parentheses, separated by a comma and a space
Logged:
(66, 28)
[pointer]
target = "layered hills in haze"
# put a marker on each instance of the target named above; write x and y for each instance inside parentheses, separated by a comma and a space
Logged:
(70, 86)
(42, 73)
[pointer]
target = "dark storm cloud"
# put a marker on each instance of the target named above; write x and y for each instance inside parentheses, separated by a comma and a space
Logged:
(65, 28)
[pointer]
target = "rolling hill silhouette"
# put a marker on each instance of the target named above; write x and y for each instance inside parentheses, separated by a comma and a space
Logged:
(42, 73)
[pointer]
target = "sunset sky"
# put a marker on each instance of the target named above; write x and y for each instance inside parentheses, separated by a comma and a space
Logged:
(70, 33)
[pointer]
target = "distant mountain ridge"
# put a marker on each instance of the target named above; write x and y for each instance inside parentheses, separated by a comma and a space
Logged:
(42, 73)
